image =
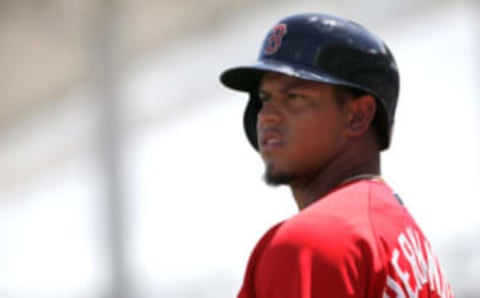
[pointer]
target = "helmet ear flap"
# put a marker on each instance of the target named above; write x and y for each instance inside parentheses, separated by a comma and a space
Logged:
(383, 126)
(250, 119)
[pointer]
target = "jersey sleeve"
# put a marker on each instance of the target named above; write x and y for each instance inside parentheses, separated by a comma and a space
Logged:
(311, 263)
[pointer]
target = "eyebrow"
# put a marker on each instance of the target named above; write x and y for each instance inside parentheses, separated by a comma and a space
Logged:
(288, 87)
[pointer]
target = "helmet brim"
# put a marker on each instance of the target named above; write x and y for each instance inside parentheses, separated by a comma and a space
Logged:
(247, 78)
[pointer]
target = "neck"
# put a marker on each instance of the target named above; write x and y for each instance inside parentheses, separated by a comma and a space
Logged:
(341, 171)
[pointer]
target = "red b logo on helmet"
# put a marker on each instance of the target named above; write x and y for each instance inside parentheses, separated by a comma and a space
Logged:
(274, 39)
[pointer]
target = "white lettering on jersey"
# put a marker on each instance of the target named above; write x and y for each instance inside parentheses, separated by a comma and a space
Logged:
(414, 265)
(403, 274)
(397, 289)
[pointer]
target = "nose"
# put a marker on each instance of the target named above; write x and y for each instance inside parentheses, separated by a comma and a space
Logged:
(269, 113)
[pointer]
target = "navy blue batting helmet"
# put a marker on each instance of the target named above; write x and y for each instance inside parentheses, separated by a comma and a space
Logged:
(326, 49)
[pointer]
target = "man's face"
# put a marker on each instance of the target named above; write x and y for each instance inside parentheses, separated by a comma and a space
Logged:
(300, 127)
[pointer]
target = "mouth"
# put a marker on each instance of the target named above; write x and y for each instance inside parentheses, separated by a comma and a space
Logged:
(271, 140)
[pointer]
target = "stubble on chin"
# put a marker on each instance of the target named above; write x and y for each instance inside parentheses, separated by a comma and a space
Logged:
(276, 178)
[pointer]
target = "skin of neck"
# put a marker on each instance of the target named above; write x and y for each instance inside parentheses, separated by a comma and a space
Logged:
(359, 157)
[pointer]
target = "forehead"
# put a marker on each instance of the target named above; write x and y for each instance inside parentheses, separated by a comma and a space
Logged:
(271, 80)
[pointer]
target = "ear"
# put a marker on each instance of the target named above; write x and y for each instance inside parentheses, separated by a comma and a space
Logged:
(361, 111)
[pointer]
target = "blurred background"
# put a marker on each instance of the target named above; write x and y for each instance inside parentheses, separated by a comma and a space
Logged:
(124, 170)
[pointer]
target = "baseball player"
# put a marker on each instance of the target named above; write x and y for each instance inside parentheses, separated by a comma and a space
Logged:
(322, 100)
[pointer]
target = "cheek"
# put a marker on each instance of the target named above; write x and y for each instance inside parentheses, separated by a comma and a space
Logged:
(312, 147)
(317, 132)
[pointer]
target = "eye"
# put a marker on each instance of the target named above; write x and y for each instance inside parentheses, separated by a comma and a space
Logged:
(296, 96)
(263, 96)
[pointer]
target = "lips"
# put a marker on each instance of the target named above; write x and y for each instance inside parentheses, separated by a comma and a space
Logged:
(271, 139)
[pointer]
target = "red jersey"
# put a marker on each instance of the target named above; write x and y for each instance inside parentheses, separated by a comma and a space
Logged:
(357, 241)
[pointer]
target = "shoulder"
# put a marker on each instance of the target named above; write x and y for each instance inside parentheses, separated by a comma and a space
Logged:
(329, 242)
(306, 252)
(335, 229)
(343, 213)
(329, 237)
(338, 224)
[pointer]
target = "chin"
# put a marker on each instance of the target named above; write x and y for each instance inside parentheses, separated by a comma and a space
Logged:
(276, 178)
